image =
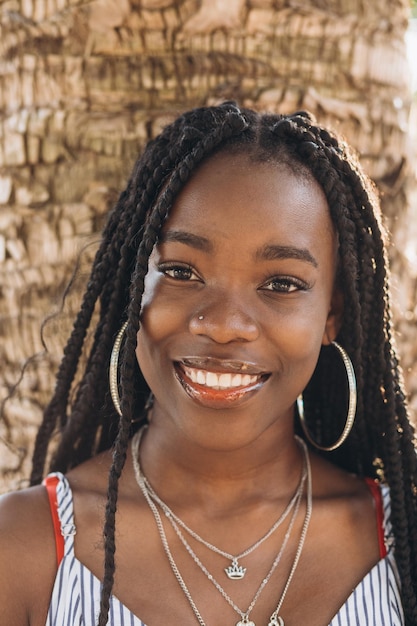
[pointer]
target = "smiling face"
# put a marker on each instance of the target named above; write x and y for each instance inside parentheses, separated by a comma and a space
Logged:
(238, 298)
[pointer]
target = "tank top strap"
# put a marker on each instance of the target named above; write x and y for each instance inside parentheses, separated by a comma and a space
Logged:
(62, 513)
(381, 495)
(386, 506)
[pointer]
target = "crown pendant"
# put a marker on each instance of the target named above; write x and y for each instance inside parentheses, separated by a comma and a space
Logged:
(276, 621)
(245, 622)
(235, 571)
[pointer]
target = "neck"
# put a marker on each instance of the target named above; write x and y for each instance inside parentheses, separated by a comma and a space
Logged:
(265, 467)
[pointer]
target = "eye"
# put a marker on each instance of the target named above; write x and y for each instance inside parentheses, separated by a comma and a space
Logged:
(178, 272)
(284, 284)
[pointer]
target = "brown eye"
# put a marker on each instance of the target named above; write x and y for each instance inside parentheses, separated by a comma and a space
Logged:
(284, 284)
(178, 272)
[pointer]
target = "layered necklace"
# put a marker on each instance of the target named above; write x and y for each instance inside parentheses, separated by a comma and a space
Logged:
(234, 571)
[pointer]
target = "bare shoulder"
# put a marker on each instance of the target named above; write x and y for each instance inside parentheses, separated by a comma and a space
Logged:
(91, 477)
(332, 481)
(89, 485)
(27, 557)
(345, 506)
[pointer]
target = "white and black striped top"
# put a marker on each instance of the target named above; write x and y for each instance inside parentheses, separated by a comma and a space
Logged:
(76, 594)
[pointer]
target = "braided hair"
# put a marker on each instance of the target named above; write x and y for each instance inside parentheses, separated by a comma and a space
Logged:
(381, 444)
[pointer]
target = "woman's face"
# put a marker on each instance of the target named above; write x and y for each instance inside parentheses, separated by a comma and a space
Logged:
(238, 299)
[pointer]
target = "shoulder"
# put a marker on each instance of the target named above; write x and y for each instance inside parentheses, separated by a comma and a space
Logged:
(334, 483)
(27, 556)
(28, 561)
(25, 523)
(347, 498)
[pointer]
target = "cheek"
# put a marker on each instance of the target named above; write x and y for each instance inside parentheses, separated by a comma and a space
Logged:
(159, 312)
(299, 334)
(302, 346)
(161, 317)
(153, 329)
(160, 322)
(154, 353)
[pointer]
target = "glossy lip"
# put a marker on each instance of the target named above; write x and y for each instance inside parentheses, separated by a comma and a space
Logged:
(218, 398)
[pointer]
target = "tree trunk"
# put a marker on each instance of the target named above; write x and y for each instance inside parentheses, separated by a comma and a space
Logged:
(83, 86)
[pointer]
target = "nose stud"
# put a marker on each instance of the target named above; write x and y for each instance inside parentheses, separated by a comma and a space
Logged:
(201, 317)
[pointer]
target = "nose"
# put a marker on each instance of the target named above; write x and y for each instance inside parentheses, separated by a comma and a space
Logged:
(224, 319)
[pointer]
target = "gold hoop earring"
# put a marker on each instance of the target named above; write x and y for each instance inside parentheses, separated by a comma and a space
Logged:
(114, 363)
(350, 372)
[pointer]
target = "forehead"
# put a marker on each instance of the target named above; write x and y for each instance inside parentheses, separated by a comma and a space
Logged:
(233, 199)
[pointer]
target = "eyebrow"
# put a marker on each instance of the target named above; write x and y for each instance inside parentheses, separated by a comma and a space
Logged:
(273, 252)
(195, 241)
(266, 253)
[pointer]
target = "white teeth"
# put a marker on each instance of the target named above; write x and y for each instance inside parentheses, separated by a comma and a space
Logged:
(225, 380)
(212, 380)
(220, 381)
(236, 380)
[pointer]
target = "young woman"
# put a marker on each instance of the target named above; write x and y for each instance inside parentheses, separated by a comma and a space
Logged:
(251, 460)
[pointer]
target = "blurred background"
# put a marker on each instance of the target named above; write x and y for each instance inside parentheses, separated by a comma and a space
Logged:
(83, 86)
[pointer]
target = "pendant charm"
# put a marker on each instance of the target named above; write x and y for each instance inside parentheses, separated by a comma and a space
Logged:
(235, 572)
(276, 621)
(245, 622)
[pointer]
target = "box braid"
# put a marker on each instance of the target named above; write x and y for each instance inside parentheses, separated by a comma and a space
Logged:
(382, 439)
(383, 430)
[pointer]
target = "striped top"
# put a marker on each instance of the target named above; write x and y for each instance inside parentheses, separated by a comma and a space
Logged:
(76, 594)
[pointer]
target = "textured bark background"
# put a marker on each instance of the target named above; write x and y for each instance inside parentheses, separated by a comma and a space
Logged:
(83, 85)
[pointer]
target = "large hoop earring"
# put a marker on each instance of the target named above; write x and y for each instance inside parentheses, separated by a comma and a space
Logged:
(114, 363)
(350, 372)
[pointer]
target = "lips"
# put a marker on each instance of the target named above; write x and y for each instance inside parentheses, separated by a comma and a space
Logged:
(219, 388)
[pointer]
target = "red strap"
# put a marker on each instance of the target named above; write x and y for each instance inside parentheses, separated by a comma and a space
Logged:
(51, 482)
(375, 490)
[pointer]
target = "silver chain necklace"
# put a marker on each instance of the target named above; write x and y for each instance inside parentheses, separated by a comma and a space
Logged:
(275, 619)
(234, 571)
(243, 614)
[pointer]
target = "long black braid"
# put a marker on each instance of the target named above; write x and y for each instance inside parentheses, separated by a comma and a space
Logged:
(381, 444)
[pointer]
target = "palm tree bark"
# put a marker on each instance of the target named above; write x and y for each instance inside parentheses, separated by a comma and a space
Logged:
(83, 86)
